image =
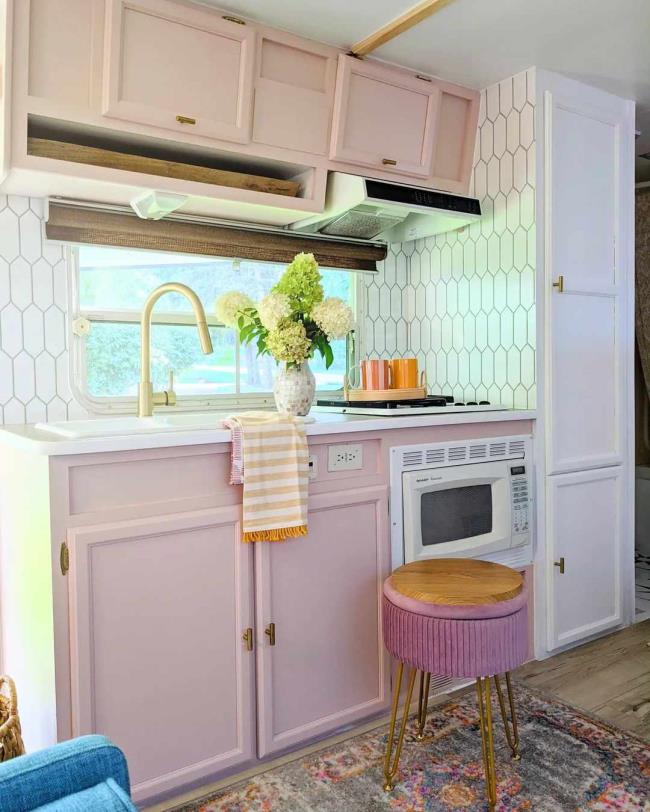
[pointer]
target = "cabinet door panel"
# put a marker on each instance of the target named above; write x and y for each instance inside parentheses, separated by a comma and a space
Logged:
(586, 315)
(383, 118)
(294, 93)
(328, 665)
(165, 60)
(158, 608)
(584, 520)
(65, 40)
(455, 138)
(584, 206)
(584, 384)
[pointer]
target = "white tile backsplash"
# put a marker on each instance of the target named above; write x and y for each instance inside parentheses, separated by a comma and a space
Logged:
(34, 376)
(463, 302)
(468, 297)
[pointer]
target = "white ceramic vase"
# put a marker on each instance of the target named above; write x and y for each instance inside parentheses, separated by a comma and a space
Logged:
(294, 389)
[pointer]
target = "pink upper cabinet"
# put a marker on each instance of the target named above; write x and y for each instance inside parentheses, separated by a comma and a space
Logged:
(455, 137)
(180, 67)
(294, 92)
(57, 54)
(384, 118)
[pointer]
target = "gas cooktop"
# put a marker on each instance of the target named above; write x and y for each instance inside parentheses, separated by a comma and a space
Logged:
(432, 404)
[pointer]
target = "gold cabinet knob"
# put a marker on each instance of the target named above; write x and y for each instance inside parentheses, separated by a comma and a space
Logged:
(388, 162)
(247, 637)
(559, 284)
(270, 633)
(560, 565)
(185, 120)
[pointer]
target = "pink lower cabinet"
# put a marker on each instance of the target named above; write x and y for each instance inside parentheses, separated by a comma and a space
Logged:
(326, 666)
(157, 611)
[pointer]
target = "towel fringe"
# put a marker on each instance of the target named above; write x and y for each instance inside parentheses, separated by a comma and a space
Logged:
(277, 534)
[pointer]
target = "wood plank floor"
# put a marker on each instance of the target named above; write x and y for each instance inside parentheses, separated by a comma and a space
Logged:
(609, 678)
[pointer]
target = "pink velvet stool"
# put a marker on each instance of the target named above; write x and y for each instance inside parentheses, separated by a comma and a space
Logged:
(456, 617)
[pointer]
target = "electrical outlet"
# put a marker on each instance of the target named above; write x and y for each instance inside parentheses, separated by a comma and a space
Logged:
(312, 464)
(348, 457)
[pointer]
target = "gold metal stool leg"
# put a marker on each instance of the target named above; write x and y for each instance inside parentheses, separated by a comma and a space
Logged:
(423, 701)
(513, 737)
(390, 766)
(487, 740)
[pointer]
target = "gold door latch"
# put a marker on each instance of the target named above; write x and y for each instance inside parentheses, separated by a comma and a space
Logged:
(247, 637)
(185, 120)
(270, 633)
(64, 558)
(388, 162)
(559, 284)
(560, 565)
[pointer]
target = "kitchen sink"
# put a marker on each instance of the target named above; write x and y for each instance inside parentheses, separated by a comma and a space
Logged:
(113, 426)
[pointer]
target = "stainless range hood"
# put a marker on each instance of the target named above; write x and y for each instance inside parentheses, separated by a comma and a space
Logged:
(368, 209)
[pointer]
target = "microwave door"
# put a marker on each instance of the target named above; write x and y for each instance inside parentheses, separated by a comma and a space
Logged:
(462, 511)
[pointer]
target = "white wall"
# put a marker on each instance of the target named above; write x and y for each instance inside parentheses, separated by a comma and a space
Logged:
(464, 302)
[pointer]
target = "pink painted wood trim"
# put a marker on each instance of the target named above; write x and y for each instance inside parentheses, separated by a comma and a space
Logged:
(269, 741)
(204, 20)
(81, 542)
(349, 66)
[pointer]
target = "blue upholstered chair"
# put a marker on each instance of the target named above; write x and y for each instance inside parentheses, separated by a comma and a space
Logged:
(81, 775)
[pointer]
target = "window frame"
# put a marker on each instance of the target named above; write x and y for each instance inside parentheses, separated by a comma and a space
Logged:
(128, 404)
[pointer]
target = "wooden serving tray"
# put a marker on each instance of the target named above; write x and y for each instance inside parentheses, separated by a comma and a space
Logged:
(418, 393)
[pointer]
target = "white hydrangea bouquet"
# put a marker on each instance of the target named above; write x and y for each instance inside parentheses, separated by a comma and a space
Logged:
(291, 323)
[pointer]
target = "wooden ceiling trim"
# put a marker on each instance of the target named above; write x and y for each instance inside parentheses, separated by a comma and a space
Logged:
(398, 26)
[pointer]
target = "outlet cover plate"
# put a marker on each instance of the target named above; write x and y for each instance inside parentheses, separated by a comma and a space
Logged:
(345, 457)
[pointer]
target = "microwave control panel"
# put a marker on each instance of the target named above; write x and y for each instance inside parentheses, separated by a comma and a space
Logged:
(520, 498)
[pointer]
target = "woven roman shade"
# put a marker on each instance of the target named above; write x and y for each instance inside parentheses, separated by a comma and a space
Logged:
(74, 224)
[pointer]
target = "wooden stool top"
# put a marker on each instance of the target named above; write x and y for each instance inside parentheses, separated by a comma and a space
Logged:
(457, 581)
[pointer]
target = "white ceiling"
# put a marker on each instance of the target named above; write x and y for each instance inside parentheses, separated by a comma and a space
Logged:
(479, 42)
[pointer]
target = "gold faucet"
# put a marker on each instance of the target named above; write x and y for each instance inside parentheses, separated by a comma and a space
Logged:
(147, 398)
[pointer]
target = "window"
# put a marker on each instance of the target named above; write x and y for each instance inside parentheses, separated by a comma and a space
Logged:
(110, 286)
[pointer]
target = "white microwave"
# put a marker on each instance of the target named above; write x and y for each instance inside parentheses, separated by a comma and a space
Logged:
(469, 499)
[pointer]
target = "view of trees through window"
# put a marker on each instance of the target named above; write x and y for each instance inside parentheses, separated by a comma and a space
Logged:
(113, 286)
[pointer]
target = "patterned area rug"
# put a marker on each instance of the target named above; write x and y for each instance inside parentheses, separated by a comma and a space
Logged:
(570, 762)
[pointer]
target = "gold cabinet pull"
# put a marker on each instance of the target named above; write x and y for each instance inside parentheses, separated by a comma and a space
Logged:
(64, 558)
(388, 162)
(270, 633)
(232, 19)
(560, 565)
(185, 120)
(559, 284)
(247, 637)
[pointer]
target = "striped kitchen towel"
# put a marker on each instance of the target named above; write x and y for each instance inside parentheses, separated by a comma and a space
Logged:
(270, 458)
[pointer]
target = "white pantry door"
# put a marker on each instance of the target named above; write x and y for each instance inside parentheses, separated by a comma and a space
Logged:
(585, 511)
(585, 356)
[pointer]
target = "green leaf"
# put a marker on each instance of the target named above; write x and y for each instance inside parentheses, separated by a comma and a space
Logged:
(329, 356)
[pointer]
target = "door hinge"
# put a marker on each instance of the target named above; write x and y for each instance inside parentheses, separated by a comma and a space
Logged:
(64, 558)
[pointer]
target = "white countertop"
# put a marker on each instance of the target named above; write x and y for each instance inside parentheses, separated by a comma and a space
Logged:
(38, 441)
